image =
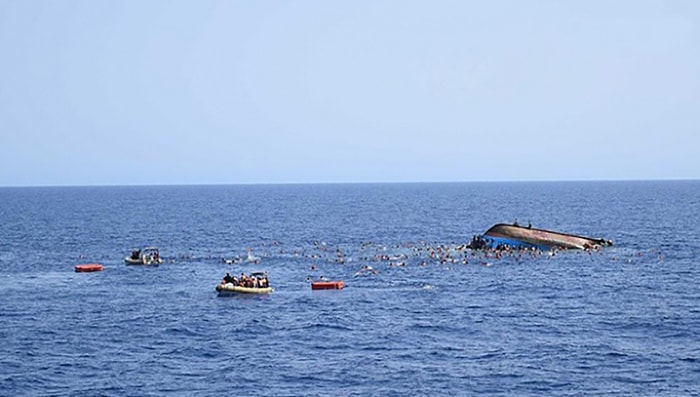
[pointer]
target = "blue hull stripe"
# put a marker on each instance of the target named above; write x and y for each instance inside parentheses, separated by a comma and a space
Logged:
(494, 242)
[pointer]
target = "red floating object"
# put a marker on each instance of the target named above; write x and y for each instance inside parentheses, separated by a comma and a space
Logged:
(91, 267)
(327, 285)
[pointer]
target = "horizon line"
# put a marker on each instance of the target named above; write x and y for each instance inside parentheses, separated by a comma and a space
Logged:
(352, 183)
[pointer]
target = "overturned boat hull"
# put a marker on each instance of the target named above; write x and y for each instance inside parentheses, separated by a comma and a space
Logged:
(514, 236)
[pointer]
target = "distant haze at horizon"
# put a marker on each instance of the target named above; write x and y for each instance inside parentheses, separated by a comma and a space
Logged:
(187, 93)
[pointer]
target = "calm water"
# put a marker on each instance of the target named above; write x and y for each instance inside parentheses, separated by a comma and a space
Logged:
(625, 321)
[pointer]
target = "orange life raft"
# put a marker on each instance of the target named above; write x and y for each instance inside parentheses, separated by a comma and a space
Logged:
(91, 267)
(327, 285)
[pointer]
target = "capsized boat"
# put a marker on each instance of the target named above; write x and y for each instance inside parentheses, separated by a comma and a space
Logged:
(146, 256)
(515, 236)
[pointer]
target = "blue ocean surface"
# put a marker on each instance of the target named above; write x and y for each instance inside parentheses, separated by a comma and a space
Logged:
(419, 314)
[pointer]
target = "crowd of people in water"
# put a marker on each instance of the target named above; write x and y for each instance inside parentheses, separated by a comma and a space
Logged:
(372, 258)
(254, 280)
(368, 258)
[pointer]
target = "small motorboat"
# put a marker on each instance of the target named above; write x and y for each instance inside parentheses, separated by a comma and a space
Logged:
(256, 283)
(148, 256)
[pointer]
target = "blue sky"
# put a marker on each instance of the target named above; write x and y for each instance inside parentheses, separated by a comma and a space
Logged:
(190, 92)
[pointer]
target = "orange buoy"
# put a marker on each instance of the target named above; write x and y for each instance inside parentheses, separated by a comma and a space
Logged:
(91, 267)
(327, 285)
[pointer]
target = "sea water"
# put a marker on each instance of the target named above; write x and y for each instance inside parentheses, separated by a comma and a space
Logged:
(419, 315)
